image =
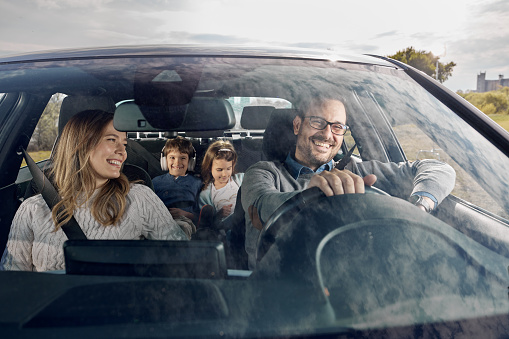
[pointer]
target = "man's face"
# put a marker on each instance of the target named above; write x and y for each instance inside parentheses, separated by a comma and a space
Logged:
(318, 147)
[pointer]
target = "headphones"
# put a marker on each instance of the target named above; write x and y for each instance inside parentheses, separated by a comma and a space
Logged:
(190, 165)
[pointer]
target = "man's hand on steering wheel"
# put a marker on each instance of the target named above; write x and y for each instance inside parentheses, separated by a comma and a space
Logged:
(336, 182)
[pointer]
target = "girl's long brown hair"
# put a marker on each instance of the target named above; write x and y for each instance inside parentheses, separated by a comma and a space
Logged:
(74, 177)
(214, 153)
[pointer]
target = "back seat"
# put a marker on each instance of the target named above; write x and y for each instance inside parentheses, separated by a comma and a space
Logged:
(247, 143)
(249, 148)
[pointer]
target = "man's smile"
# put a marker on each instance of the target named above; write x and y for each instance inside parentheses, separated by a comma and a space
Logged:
(323, 144)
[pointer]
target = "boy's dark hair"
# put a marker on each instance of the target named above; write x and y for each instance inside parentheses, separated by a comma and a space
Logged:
(181, 144)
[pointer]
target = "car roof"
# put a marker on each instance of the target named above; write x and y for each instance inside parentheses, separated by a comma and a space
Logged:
(194, 50)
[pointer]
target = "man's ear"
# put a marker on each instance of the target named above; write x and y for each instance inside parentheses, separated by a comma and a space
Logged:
(297, 121)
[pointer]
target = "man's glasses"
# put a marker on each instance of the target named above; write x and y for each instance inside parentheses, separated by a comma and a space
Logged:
(320, 124)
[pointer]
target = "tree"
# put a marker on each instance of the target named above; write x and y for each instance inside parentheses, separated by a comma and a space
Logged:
(47, 128)
(425, 62)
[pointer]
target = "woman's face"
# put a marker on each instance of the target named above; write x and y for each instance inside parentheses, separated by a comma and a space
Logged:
(108, 156)
(221, 172)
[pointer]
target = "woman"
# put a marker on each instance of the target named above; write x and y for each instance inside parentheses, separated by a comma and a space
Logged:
(87, 174)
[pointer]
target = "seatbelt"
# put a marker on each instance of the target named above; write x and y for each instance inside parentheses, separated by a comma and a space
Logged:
(341, 164)
(71, 229)
(153, 163)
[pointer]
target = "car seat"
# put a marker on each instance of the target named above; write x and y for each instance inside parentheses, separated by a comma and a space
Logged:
(249, 149)
(278, 140)
(136, 154)
(74, 104)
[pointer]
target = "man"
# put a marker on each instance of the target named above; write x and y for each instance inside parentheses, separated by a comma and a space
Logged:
(319, 129)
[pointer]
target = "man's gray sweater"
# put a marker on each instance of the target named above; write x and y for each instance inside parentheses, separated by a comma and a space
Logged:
(267, 185)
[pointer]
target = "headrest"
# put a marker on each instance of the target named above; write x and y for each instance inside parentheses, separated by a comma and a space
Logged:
(206, 134)
(73, 104)
(278, 138)
(255, 117)
(201, 114)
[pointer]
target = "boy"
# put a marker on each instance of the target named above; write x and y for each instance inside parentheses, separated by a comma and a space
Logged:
(177, 189)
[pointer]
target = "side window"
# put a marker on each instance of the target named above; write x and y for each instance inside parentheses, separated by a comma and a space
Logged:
(418, 146)
(349, 142)
(46, 131)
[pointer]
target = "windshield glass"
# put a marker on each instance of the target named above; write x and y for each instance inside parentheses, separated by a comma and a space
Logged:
(375, 95)
(354, 261)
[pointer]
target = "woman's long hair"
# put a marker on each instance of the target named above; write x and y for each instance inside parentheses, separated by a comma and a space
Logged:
(74, 177)
(220, 149)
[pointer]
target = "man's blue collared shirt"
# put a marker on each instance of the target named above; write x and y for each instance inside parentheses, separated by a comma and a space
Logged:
(297, 169)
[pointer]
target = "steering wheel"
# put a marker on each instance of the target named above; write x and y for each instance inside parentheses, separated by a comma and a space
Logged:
(363, 252)
(282, 216)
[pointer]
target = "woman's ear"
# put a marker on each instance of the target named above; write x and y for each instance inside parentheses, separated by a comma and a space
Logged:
(297, 121)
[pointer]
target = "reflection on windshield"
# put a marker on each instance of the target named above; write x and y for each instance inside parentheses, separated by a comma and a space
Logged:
(441, 133)
(402, 102)
(355, 261)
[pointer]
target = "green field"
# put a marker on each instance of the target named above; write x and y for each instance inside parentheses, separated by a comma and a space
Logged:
(37, 156)
(501, 119)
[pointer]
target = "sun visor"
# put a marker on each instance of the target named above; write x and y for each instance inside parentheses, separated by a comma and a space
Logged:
(201, 114)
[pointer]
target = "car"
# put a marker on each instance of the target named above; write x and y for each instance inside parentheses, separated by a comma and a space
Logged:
(354, 265)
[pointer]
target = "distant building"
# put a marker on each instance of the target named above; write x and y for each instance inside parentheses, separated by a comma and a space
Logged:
(484, 85)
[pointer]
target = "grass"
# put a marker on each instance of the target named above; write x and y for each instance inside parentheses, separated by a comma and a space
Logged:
(501, 119)
(37, 156)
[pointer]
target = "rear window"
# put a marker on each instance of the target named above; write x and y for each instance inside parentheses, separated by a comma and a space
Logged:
(238, 104)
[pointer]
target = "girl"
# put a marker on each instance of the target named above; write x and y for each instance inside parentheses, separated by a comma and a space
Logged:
(87, 174)
(219, 186)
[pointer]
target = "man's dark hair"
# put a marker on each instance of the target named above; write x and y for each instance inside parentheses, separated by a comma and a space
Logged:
(304, 106)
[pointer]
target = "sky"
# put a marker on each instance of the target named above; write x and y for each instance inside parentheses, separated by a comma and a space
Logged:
(472, 33)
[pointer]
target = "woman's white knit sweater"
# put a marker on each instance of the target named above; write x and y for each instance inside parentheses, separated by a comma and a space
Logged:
(33, 245)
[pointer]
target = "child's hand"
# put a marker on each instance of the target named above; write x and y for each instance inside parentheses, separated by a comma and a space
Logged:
(225, 211)
(177, 212)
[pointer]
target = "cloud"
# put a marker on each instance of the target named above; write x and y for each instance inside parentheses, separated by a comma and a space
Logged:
(133, 5)
(150, 6)
(475, 36)
(473, 55)
(64, 26)
(311, 45)
(387, 34)
(218, 38)
(181, 37)
(483, 45)
(484, 54)
(498, 7)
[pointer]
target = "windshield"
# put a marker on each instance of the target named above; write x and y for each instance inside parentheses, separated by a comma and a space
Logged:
(365, 261)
